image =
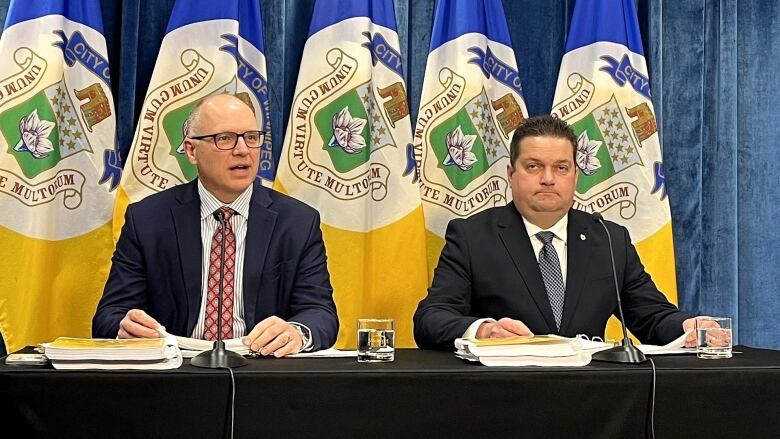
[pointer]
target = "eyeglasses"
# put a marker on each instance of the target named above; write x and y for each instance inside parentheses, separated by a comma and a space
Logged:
(228, 140)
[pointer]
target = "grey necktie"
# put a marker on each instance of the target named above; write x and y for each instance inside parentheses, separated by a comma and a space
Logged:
(551, 273)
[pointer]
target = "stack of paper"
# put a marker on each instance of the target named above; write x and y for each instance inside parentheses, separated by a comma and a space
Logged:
(537, 350)
(87, 353)
(548, 350)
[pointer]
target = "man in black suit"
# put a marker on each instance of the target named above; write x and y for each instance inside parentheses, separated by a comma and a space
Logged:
(537, 266)
(165, 269)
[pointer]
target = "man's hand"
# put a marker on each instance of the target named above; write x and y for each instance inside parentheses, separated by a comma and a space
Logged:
(689, 326)
(274, 336)
(505, 327)
(138, 324)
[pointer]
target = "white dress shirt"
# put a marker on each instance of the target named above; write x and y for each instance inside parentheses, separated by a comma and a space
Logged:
(208, 225)
(239, 221)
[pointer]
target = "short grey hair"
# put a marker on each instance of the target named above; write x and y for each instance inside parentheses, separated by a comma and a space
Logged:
(192, 123)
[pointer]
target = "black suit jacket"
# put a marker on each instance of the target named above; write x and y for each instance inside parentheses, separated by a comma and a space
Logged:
(157, 265)
(488, 269)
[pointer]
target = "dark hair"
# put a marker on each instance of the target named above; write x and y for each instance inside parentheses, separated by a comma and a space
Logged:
(541, 126)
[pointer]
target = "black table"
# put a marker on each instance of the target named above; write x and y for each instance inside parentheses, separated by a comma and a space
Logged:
(422, 394)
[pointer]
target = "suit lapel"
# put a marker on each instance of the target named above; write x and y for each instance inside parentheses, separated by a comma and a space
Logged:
(258, 237)
(578, 262)
(186, 220)
(515, 238)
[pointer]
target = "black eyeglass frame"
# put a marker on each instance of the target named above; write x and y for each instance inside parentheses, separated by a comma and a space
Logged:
(213, 137)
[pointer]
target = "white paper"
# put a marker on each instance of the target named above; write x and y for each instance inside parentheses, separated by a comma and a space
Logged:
(325, 353)
(191, 347)
(676, 346)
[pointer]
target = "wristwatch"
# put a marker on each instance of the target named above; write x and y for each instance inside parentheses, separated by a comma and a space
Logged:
(305, 336)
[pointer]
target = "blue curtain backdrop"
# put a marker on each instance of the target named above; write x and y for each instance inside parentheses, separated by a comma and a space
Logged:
(712, 65)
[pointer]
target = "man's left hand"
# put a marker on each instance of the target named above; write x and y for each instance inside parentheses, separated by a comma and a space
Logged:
(274, 336)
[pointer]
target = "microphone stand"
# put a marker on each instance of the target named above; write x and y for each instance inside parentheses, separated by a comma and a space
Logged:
(626, 352)
(219, 357)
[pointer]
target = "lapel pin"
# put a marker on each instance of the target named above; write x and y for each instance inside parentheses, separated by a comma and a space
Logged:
(582, 237)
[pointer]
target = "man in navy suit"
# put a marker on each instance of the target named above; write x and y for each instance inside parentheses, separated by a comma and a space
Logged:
(537, 266)
(278, 295)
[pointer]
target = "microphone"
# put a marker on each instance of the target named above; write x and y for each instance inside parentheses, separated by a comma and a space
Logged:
(626, 352)
(219, 357)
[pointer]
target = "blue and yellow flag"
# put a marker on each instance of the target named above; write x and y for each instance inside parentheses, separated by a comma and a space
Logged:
(209, 48)
(348, 153)
(472, 101)
(58, 169)
(604, 93)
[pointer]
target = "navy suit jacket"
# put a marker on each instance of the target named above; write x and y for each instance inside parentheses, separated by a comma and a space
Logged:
(157, 265)
(488, 269)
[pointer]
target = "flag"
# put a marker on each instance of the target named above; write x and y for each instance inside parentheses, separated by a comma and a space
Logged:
(58, 169)
(472, 101)
(604, 93)
(209, 48)
(347, 152)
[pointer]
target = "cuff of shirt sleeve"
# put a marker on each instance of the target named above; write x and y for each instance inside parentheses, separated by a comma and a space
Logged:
(471, 332)
(305, 336)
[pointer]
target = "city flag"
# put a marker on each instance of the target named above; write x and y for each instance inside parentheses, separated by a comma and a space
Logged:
(209, 48)
(472, 101)
(348, 153)
(604, 93)
(58, 169)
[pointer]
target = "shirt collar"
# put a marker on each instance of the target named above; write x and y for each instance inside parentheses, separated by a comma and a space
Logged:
(209, 203)
(558, 229)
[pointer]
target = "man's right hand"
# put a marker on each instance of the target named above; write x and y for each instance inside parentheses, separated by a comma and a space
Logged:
(505, 327)
(138, 324)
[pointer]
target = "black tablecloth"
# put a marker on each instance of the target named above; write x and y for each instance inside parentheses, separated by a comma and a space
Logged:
(422, 394)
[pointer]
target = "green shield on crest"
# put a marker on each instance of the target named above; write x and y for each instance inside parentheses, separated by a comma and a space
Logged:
(617, 150)
(43, 130)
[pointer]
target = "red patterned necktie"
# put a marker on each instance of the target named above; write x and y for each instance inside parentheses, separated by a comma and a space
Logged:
(212, 300)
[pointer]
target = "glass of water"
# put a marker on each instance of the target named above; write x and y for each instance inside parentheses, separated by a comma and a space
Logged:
(376, 340)
(713, 337)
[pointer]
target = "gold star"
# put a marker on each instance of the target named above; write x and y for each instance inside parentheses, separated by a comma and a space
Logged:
(376, 118)
(66, 108)
(65, 132)
(55, 100)
(71, 144)
(381, 130)
(77, 134)
(377, 139)
(72, 121)
(624, 160)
